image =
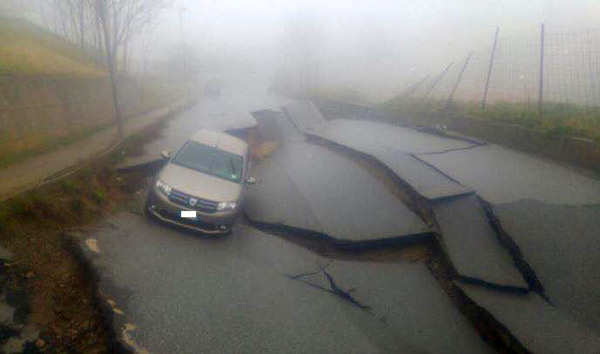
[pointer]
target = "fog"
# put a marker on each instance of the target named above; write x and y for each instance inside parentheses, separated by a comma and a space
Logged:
(374, 47)
(377, 48)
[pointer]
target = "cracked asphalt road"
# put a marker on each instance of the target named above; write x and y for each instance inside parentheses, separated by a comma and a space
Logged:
(179, 292)
(335, 196)
(188, 294)
(173, 291)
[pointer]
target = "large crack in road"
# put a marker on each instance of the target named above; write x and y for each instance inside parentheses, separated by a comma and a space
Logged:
(423, 207)
(333, 287)
(388, 288)
(429, 211)
(426, 209)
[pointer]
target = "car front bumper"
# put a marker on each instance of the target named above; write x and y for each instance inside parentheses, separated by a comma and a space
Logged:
(165, 210)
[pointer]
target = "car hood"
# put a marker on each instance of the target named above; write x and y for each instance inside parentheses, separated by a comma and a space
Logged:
(199, 184)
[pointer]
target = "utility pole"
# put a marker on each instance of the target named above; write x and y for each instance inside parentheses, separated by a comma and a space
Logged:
(110, 62)
(489, 74)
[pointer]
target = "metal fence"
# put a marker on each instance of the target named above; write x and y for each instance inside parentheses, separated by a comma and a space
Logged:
(539, 70)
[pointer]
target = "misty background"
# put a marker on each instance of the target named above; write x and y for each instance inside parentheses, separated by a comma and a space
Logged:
(376, 48)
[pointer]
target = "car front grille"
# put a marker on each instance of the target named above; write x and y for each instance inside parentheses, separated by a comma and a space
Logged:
(199, 224)
(183, 199)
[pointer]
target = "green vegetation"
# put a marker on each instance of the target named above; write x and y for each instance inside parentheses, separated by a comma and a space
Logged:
(37, 227)
(558, 119)
(30, 52)
(338, 94)
(10, 157)
(26, 49)
(99, 196)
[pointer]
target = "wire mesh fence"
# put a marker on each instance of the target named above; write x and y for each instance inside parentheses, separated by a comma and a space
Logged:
(547, 78)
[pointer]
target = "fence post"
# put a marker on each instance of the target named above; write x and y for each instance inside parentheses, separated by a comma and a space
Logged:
(414, 87)
(462, 71)
(438, 79)
(489, 74)
(541, 88)
(593, 75)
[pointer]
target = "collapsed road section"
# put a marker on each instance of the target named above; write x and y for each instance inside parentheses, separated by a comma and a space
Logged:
(550, 212)
(327, 194)
(458, 292)
(481, 253)
(467, 236)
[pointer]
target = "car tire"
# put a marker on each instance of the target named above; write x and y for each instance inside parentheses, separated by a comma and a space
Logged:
(147, 204)
(229, 230)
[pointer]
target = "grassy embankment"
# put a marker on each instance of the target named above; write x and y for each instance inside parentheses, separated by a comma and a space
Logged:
(559, 119)
(26, 49)
(41, 228)
(10, 156)
(28, 52)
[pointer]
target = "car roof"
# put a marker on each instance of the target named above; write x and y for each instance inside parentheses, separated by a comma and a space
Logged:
(220, 140)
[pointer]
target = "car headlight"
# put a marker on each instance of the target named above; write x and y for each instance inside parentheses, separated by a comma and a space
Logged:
(222, 206)
(163, 187)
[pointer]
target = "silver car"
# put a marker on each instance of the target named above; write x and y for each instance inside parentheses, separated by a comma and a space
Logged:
(201, 185)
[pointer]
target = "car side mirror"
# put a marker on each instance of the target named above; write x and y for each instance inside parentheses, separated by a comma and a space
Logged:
(165, 154)
(251, 180)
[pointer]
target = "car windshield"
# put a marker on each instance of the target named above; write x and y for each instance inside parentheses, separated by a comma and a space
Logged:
(210, 160)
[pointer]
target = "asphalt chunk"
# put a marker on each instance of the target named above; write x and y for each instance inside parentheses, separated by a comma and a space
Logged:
(538, 326)
(367, 135)
(472, 244)
(347, 203)
(501, 175)
(561, 243)
(305, 115)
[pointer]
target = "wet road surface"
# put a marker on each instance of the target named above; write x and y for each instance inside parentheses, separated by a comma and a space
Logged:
(502, 175)
(550, 211)
(187, 294)
(542, 215)
(256, 292)
(344, 201)
(229, 110)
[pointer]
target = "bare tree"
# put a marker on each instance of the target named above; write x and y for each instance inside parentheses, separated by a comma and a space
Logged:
(302, 45)
(122, 20)
(128, 19)
(81, 22)
(104, 28)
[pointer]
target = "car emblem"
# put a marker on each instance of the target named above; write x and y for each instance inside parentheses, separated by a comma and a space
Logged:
(193, 201)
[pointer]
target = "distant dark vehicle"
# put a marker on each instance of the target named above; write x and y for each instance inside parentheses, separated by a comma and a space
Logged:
(212, 88)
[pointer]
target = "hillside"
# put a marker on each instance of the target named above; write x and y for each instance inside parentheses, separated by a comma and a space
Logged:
(27, 49)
